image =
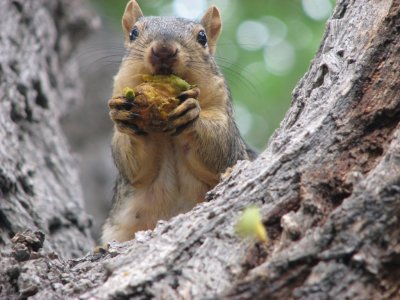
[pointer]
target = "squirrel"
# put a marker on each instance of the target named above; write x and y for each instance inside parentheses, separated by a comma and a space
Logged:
(163, 174)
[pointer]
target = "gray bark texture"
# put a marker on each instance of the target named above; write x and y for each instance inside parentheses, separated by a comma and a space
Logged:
(39, 185)
(328, 187)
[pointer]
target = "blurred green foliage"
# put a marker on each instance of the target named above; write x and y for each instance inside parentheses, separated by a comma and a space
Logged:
(261, 75)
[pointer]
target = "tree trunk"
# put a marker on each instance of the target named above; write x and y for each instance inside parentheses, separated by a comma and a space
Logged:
(328, 186)
(39, 186)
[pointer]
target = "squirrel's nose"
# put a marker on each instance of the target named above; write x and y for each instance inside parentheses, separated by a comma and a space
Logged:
(163, 58)
(164, 52)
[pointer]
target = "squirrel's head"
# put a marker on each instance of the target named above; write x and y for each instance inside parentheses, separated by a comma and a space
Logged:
(170, 45)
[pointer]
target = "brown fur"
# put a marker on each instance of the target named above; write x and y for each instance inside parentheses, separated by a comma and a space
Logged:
(166, 173)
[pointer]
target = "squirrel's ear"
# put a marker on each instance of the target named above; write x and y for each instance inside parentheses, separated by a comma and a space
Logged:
(212, 24)
(131, 15)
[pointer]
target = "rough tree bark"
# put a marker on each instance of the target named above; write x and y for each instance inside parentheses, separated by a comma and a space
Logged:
(39, 186)
(328, 186)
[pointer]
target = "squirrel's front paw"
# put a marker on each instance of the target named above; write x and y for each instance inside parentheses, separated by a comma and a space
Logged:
(185, 114)
(125, 116)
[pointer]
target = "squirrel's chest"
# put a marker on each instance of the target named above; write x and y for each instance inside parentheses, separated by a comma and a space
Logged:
(174, 188)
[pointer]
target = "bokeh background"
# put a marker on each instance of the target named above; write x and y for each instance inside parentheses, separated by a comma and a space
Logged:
(265, 48)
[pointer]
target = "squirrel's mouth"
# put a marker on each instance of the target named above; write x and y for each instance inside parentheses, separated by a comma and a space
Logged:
(162, 58)
(163, 70)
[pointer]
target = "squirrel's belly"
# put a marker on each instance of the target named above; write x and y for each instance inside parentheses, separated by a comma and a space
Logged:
(174, 191)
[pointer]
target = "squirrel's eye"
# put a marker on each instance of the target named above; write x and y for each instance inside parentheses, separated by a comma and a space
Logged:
(202, 38)
(134, 34)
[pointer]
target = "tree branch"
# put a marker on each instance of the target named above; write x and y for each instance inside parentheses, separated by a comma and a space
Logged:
(328, 186)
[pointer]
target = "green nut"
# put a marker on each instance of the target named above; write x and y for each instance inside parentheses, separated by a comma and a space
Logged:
(174, 81)
(129, 93)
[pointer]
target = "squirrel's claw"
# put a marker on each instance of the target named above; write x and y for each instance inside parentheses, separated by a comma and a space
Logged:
(124, 115)
(181, 128)
(126, 126)
(120, 103)
(192, 93)
(182, 116)
(182, 109)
